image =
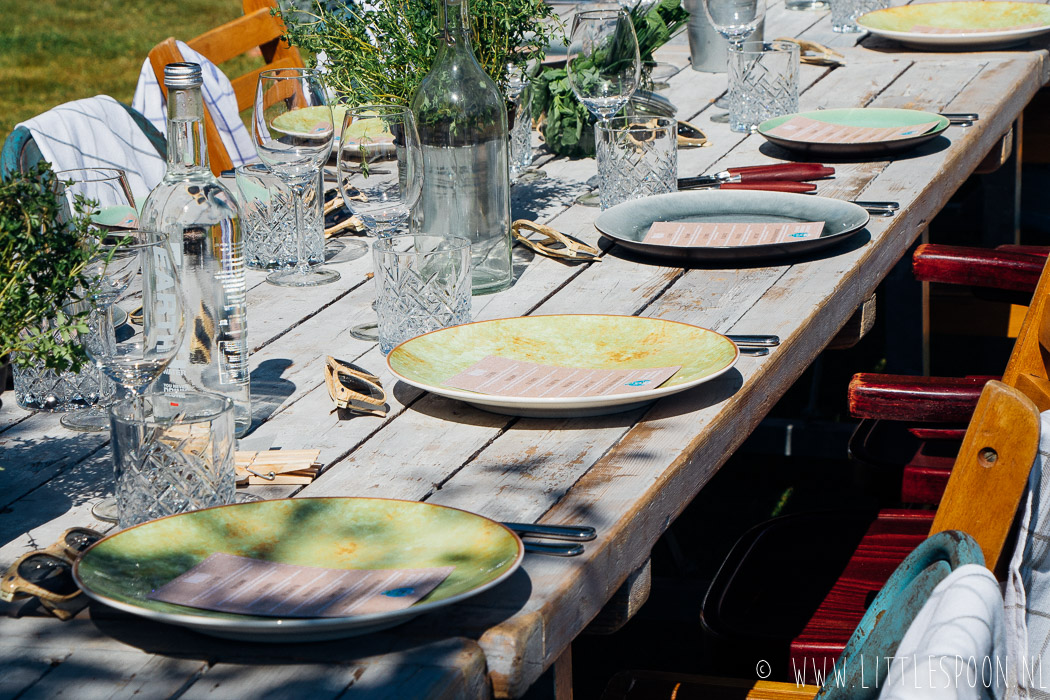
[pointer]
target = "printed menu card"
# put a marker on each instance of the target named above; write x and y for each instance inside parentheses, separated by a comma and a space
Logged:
(502, 376)
(813, 131)
(924, 29)
(233, 584)
(686, 233)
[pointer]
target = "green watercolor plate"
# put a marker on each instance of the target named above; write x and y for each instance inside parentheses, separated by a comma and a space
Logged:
(308, 121)
(859, 116)
(959, 25)
(365, 533)
(586, 341)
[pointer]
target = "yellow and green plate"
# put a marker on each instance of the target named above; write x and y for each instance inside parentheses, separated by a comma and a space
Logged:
(343, 533)
(959, 25)
(589, 341)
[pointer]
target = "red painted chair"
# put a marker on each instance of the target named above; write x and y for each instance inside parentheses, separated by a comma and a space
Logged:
(966, 504)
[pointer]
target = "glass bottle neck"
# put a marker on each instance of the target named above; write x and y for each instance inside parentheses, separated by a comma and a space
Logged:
(187, 143)
(457, 22)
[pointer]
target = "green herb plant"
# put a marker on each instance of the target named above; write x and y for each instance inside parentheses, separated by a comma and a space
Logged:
(566, 125)
(43, 256)
(381, 53)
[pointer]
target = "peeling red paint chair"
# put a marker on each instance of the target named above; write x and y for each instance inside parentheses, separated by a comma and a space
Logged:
(973, 500)
(916, 423)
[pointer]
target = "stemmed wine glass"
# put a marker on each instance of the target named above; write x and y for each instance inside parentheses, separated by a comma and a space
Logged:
(134, 361)
(111, 270)
(380, 172)
(736, 20)
(604, 64)
(294, 131)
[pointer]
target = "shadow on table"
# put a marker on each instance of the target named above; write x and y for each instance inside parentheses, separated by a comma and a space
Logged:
(452, 410)
(468, 619)
(849, 244)
(934, 145)
(528, 200)
(269, 389)
(80, 471)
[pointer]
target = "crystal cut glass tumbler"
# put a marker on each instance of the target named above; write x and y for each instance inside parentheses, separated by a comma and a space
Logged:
(40, 389)
(172, 454)
(763, 82)
(423, 284)
(637, 157)
(844, 13)
(268, 221)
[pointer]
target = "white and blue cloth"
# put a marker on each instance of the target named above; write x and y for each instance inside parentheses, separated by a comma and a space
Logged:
(219, 98)
(98, 132)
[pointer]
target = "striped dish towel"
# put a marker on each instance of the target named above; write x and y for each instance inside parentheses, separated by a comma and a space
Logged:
(219, 98)
(1028, 582)
(97, 132)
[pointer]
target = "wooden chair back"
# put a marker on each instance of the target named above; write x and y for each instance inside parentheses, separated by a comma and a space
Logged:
(258, 28)
(991, 471)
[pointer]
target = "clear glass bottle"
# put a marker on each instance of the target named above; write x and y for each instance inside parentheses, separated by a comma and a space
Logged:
(201, 219)
(462, 120)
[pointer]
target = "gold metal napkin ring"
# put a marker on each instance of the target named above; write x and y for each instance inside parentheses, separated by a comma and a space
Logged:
(337, 374)
(690, 135)
(816, 54)
(570, 248)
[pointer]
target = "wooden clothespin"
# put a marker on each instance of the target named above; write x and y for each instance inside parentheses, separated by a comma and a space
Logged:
(277, 466)
(353, 389)
(554, 244)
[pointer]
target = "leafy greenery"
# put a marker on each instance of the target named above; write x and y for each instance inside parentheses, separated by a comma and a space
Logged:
(566, 125)
(43, 255)
(381, 52)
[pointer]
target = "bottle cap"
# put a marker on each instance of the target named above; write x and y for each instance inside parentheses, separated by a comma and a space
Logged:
(182, 75)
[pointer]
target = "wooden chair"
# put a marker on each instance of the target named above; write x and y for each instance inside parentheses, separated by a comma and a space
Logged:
(877, 636)
(981, 496)
(258, 28)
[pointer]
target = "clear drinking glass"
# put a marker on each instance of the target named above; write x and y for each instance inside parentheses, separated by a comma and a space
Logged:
(844, 13)
(134, 360)
(637, 157)
(603, 63)
(172, 455)
(735, 20)
(763, 82)
(114, 211)
(422, 285)
(519, 92)
(268, 219)
(294, 132)
(380, 173)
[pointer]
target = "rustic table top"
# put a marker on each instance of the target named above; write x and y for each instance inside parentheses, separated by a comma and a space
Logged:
(628, 475)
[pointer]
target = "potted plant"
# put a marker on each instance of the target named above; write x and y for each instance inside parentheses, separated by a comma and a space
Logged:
(43, 255)
(565, 124)
(379, 52)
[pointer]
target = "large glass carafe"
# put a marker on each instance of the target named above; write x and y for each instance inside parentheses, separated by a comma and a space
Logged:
(201, 219)
(462, 120)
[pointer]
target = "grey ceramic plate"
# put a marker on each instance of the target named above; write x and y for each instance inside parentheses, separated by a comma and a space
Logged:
(628, 223)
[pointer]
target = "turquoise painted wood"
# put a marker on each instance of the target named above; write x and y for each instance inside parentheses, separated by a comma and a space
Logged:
(888, 617)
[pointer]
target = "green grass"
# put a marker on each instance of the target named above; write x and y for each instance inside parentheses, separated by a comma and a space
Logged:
(55, 51)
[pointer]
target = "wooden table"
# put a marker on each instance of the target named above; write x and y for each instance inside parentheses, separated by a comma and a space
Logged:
(629, 475)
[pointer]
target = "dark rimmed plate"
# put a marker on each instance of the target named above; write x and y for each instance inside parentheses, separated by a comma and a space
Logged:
(859, 116)
(628, 223)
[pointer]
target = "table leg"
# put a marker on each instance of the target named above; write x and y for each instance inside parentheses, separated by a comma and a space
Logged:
(556, 681)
